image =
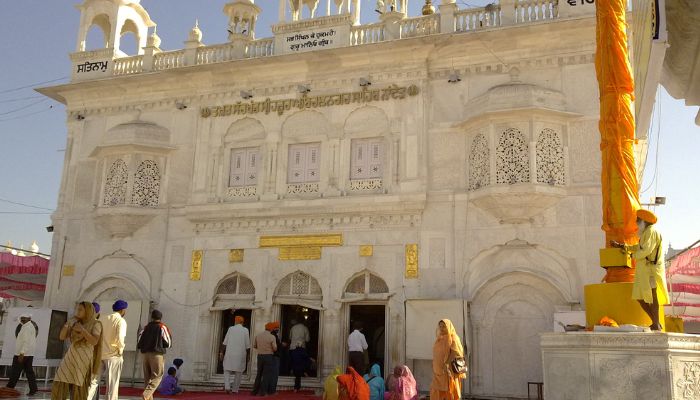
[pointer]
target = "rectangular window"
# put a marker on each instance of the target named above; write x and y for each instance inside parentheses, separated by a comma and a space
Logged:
(367, 158)
(245, 164)
(304, 163)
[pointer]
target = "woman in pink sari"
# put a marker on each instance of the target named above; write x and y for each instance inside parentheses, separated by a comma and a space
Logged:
(403, 385)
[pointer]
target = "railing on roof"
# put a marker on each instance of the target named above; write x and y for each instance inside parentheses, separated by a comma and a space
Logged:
(367, 34)
(452, 20)
(420, 26)
(128, 65)
(473, 19)
(169, 60)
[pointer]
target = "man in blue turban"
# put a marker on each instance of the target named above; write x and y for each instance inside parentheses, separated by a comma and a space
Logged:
(113, 336)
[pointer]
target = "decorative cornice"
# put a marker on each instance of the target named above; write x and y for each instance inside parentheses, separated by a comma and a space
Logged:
(310, 223)
(619, 341)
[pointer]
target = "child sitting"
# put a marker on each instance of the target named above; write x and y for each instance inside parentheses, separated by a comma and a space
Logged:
(168, 386)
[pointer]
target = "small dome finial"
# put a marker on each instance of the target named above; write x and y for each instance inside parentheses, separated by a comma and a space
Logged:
(154, 39)
(195, 33)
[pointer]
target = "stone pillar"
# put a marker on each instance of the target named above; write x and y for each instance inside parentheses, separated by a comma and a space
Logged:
(282, 16)
(392, 28)
(152, 48)
(356, 12)
(508, 9)
(193, 42)
(447, 16)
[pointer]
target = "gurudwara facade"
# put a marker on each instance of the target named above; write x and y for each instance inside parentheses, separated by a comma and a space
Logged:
(395, 172)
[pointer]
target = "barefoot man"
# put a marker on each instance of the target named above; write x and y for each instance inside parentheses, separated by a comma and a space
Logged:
(650, 276)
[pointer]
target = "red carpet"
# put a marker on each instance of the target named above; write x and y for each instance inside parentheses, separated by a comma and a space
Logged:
(221, 395)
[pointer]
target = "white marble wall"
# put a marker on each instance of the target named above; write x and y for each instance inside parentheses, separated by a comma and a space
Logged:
(621, 366)
(512, 277)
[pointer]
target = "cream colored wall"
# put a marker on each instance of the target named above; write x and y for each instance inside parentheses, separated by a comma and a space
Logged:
(463, 250)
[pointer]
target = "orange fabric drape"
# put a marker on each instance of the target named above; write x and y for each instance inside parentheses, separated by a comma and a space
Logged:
(617, 136)
(620, 188)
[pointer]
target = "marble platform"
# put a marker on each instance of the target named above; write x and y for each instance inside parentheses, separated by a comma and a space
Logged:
(620, 366)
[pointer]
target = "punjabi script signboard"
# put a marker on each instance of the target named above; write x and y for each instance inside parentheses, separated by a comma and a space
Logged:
(267, 106)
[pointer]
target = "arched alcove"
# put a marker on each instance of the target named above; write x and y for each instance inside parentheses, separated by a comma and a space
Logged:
(130, 39)
(245, 129)
(98, 34)
(305, 124)
(508, 314)
(521, 256)
(366, 121)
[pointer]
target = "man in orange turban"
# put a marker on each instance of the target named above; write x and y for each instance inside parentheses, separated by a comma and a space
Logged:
(650, 276)
(234, 354)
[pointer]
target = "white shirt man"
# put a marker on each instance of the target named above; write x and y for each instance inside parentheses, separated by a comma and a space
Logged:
(235, 354)
(25, 346)
(113, 343)
(357, 344)
(298, 334)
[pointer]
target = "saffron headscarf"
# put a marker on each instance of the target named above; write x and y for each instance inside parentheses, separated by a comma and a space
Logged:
(351, 386)
(647, 216)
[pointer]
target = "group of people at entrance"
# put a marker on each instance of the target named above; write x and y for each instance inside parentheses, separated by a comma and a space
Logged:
(448, 372)
(97, 347)
(235, 353)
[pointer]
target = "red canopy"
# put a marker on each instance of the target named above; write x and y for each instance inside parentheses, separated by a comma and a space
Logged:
(684, 282)
(23, 277)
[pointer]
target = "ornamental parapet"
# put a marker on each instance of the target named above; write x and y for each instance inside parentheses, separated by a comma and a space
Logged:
(333, 30)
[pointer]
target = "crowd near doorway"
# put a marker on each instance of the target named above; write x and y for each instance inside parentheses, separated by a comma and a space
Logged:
(373, 320)
(227, 321)
(295, 320)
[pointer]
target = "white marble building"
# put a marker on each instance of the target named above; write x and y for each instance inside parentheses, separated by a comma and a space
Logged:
(470, 133)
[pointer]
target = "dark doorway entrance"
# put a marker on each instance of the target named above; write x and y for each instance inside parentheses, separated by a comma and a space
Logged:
(301, 315)
(227, 317)
(373, 320)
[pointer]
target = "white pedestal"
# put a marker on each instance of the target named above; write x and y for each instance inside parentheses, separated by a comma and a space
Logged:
(620, 366)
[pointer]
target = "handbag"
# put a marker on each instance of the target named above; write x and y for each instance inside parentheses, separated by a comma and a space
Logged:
(458, 366)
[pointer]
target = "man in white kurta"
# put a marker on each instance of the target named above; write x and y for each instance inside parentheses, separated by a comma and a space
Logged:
(235, 354)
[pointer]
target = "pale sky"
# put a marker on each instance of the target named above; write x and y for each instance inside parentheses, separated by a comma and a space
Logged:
(38, 35)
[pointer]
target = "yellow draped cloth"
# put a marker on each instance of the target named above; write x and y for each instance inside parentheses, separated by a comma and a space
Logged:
(649, 255)
(330, 386)
(446, 385)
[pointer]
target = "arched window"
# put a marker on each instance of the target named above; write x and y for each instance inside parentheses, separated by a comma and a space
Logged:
(366, 283)
(236, 284)
(550, 158)
(146, 185)
(479, 163)
(115, 185)
(299, 284)
(512, 158)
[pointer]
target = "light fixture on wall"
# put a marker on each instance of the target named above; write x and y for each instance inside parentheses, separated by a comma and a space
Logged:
(246, 95)
(79, 117)
(180, 106)
(303, 89)
(454, 77)
(364, 82)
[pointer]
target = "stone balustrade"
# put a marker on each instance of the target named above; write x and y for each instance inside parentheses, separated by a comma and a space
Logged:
(391, 26)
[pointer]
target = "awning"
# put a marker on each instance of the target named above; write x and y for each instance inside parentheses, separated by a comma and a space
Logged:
(23, 277)
(684, 283)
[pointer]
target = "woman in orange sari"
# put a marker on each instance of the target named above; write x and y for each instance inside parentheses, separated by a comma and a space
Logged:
(351, 386)
(446, 385)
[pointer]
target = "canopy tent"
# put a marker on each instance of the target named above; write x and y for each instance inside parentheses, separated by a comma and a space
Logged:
(23, 277)
(684, 283)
